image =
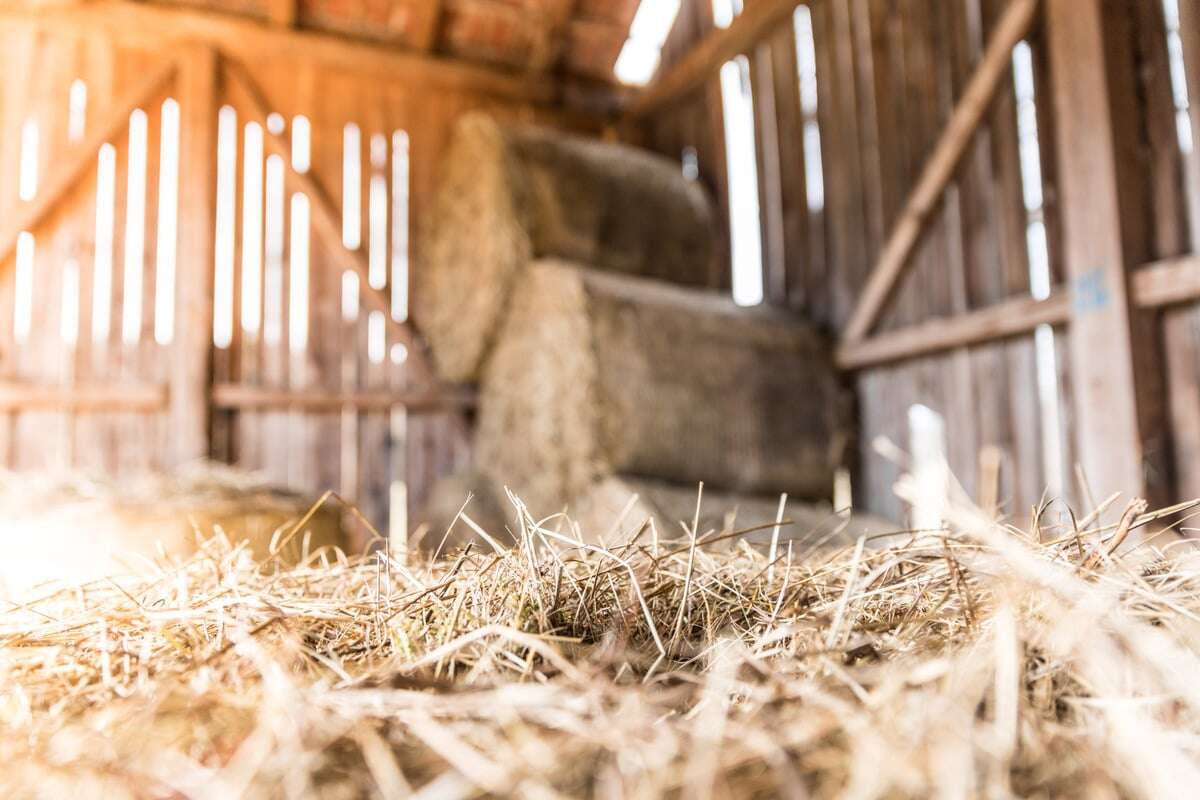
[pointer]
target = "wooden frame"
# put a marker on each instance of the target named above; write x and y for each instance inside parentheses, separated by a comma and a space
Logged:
(940, 168)
(149, 26)
(743, 34)
(1154, 286)
(240, 397)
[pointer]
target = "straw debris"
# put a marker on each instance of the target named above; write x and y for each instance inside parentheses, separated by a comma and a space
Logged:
(972, 661)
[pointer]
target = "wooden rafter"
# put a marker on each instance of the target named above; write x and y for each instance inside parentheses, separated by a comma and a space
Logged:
(427, 22)
(325, 222)
(552, 32)
(65, 174)
(147, 25)
(705, 59)
(940, 168)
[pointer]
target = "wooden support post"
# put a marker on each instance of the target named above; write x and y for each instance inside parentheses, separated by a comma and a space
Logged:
(190, 369)
(940, 168)
(1094, 105)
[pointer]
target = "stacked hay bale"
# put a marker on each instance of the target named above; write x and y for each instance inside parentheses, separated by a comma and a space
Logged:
(595, 375)
(557, 278)
(514, 194)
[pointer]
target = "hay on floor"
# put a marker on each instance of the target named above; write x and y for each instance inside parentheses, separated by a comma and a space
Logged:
(75, 527)
(509, 194)
(597, 374)
(987, 662)
(618, 505)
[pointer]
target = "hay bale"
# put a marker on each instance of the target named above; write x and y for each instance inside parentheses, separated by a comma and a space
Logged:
(73, 528)
(596, 374)
(615, 507)
(512, 194)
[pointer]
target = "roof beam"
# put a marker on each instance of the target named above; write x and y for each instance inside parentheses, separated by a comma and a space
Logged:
(149, 26)
(705, 59)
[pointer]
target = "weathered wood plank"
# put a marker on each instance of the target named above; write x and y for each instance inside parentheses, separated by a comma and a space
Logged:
(940, 168)
(1110, 421)
(192, 342)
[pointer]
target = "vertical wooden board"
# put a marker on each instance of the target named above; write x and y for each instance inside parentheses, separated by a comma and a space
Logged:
(1068, 431)
(1181, 339)
(325, 283)
(36, 431)
(16, 62)
(912, 302)
(862, 38)
(1169, 234)
(770, 187)
(93, 450)
(793, 196)
(838, 108)
(144, 437)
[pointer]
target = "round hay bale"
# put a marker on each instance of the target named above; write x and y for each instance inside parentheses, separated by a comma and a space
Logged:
(74, 528)
(508, 195)
(596, 374)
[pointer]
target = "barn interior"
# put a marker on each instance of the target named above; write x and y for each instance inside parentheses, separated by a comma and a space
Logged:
(374, 303)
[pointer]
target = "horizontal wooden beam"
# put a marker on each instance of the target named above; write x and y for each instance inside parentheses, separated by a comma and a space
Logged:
(146, 25)
(93, 398)
(1167, 282)
(1154, 285)
(704, 60)
(239, 397)
(940, 168)
(1001, 321)
(65, 173)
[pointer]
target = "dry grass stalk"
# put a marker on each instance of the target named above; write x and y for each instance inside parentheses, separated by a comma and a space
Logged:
(979, 662)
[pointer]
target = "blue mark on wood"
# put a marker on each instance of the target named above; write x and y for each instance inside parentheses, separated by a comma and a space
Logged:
(1089, 292)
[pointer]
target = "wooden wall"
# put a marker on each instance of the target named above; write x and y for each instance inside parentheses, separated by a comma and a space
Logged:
(319, 418)
(890, 73)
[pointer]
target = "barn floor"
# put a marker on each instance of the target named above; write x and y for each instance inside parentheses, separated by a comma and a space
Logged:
(988, 662)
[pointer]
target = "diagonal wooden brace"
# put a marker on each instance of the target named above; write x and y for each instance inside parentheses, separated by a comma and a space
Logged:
(940, 168)
(65, 175)
(325, 221)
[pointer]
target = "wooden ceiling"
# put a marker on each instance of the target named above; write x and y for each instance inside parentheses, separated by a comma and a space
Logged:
(571, 38)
